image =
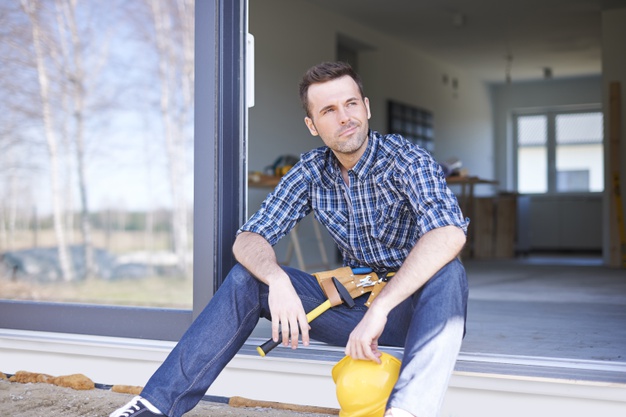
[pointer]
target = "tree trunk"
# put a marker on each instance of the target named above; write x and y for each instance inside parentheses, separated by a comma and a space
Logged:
(174, 132)
(76, 76)
(65, 263)
(4, 244)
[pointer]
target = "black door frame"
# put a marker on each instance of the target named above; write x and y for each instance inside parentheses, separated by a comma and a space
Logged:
(219, 191)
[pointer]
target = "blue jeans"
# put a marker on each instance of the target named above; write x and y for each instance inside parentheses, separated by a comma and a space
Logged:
(429, 325)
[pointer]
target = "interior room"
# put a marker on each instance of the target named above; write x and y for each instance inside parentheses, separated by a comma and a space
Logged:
(534, 256)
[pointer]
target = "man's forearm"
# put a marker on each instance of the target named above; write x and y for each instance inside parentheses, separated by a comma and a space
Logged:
(433, 251)
(257, 256)
(288, 316)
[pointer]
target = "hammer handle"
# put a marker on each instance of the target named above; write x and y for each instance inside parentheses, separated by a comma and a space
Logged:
(266, 347)
(313, 314)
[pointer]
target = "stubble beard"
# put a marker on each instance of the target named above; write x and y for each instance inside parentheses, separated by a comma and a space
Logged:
(353, 144)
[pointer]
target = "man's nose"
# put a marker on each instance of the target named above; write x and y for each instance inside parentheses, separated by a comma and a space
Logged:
(343, 116)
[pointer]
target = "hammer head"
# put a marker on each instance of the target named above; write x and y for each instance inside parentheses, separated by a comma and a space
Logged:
(343, 293)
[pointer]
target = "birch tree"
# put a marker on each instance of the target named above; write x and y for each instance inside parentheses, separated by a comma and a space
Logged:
(74, 74)
(174, 30)
(14, 167)
(31, 9)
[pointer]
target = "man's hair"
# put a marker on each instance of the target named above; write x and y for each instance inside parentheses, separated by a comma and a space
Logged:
(321, 73)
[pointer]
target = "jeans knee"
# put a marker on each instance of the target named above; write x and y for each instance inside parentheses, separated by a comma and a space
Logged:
(454, 277)
(240, 277)
(447, 289)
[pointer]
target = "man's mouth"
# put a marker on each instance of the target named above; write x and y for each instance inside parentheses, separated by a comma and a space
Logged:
(348, 130)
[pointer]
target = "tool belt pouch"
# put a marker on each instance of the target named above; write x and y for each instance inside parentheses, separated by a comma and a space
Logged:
(353, 283)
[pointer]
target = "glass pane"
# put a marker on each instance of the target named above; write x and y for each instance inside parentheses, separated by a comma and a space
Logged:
(579, 128)
(532, 154)
(532, 166)
(96, 150)
(532, 130)
(580, 168)
(579, 152)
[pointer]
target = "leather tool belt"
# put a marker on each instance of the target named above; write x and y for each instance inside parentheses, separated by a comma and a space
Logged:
(357, 284)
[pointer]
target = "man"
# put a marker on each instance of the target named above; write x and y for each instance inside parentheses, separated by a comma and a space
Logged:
(386, 204)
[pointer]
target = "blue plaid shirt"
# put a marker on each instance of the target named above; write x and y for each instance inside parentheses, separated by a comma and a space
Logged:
(397, 193)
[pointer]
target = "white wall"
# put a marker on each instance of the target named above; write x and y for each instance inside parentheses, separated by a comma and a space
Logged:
(292, 35)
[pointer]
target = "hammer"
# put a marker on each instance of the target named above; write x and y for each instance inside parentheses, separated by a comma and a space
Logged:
(338, 296)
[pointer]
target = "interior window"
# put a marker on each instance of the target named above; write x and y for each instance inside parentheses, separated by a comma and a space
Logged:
(579, 152)
(560, 152)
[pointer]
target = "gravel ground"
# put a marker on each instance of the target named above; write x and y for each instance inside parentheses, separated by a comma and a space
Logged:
(47, 400)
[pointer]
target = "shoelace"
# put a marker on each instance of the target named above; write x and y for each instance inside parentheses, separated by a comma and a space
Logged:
(127, 413)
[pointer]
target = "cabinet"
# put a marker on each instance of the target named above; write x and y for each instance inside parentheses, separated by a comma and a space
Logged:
(565, 223)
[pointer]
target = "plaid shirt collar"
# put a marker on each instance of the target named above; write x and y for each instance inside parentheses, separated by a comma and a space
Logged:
(332, 174)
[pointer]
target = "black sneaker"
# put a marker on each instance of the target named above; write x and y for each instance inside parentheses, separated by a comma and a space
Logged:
(137, 407)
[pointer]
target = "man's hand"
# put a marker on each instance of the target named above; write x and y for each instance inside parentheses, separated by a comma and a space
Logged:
(257, 255)
(432, 251)
(288, 316)
(363, 341)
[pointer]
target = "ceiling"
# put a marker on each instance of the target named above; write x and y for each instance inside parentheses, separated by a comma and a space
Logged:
(493, 38)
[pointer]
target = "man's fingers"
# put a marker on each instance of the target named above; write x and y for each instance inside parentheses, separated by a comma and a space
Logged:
(303, 330)
(363, 351)
(295, 334)
(305, 333)
(375, 354)
(362, 346)
(286, 309)
(290, 334)
(275, 329)
(300, 327)
(285, 331)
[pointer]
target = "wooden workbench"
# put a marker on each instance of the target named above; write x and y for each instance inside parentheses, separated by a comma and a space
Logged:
(475, 237)
(466, 197)
(259, 180)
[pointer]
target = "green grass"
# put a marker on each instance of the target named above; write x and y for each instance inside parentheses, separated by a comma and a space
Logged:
(147, 292)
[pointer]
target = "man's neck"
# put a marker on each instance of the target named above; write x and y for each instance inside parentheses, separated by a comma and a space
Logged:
(349, 161)
(344, 174)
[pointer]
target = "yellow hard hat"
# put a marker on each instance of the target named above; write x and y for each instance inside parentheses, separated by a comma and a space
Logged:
(364, 386)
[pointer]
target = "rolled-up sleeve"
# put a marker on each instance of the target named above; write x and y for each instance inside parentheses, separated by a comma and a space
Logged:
(435, 204)
(282, 209)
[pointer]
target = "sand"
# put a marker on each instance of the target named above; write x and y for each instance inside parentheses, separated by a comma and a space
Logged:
(47, 400)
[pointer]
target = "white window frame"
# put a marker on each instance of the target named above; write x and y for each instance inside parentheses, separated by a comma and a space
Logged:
(551, 145)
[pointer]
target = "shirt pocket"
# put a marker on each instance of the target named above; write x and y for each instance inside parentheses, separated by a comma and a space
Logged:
(336, 221)
(394, 226)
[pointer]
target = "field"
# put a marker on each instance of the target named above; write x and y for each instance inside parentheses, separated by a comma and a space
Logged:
(149, 290)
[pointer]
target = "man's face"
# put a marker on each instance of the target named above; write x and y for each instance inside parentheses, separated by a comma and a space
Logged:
(339, 115)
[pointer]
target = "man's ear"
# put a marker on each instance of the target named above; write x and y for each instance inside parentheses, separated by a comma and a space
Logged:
(367, 106)
(309, 123)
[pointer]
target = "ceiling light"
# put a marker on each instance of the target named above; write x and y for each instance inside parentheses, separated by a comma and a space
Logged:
(547, 73)
(507, 69)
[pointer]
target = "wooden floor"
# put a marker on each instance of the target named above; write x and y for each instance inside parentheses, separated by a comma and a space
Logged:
(561, 317)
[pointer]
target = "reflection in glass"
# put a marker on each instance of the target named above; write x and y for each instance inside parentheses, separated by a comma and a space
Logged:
(96, 147)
